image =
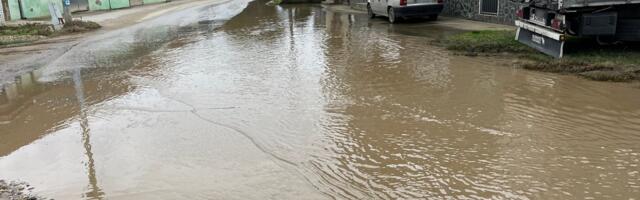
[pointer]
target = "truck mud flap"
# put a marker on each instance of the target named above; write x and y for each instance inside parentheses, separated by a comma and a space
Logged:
(540, 42)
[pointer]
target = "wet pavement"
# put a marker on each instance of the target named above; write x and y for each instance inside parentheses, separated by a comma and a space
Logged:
(246, 101)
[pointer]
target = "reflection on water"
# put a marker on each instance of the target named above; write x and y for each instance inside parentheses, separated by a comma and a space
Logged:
(94, 191)
(246, 101)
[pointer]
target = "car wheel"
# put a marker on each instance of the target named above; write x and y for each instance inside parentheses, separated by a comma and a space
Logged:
(392, 16)
(433, 17)
(370, 12)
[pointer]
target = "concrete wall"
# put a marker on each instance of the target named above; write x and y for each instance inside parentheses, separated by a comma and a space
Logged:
(470, 9)
(14, 10)
(153, 1)
(115, 4)
(40, 8)
(99, 5)
(107, 4)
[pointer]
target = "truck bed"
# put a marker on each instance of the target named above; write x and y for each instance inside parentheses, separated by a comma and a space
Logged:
(576, 4)
(591, 3)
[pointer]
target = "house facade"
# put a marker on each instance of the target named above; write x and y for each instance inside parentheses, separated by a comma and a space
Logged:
(494, 11)
(33, 9)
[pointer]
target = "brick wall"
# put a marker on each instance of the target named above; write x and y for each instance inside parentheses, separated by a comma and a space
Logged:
(470, 9)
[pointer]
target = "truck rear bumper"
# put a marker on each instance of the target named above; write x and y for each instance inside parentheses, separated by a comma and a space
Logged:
(422, 10)
(542, 39)
(540, 30)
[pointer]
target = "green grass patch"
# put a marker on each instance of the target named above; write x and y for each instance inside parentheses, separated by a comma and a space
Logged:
(583, 56)
(27, 33)
(78, 27)
(488, 41)
(27, 29)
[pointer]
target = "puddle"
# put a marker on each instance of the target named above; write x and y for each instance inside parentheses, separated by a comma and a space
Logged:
(247, 101)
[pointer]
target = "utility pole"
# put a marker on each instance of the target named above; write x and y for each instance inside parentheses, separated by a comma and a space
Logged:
(66, 11)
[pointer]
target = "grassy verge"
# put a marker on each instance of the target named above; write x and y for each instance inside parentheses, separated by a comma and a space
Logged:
(27, 29)
(79, 26)
(26, 33)
(583, 57)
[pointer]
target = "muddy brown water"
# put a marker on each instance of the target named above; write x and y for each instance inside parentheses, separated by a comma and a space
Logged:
(246, 101)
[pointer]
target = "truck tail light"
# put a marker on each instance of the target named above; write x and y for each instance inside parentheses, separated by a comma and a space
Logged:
(557, 24)
(403, 2)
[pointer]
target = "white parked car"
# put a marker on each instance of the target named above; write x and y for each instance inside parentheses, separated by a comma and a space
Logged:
(396, 9)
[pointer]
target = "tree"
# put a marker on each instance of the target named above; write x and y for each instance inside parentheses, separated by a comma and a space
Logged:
(66, 11)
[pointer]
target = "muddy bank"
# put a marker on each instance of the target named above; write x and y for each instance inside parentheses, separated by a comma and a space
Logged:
(604, 71)
(16, 191)
(584, 57)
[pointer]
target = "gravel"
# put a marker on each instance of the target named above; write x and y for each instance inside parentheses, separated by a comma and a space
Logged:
(16, 191)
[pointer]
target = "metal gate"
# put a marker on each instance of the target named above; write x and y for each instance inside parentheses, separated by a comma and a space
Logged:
(489, 7)
(79, 5)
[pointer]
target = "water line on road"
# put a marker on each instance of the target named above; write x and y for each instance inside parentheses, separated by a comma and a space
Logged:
(253, 141)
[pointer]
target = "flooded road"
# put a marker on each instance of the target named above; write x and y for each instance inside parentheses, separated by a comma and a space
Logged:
(245, 101)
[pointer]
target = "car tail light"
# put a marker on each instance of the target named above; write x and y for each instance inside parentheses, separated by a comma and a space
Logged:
(440, 1)
(403, 2)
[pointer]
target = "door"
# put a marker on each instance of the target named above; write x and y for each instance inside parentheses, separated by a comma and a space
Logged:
(79, 5)
(489, 7)
(136, 2)
(381, 7)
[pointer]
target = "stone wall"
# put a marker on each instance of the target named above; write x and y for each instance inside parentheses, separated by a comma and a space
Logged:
(470, 9)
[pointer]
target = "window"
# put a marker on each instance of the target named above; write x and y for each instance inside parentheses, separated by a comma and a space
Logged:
(489, 7)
